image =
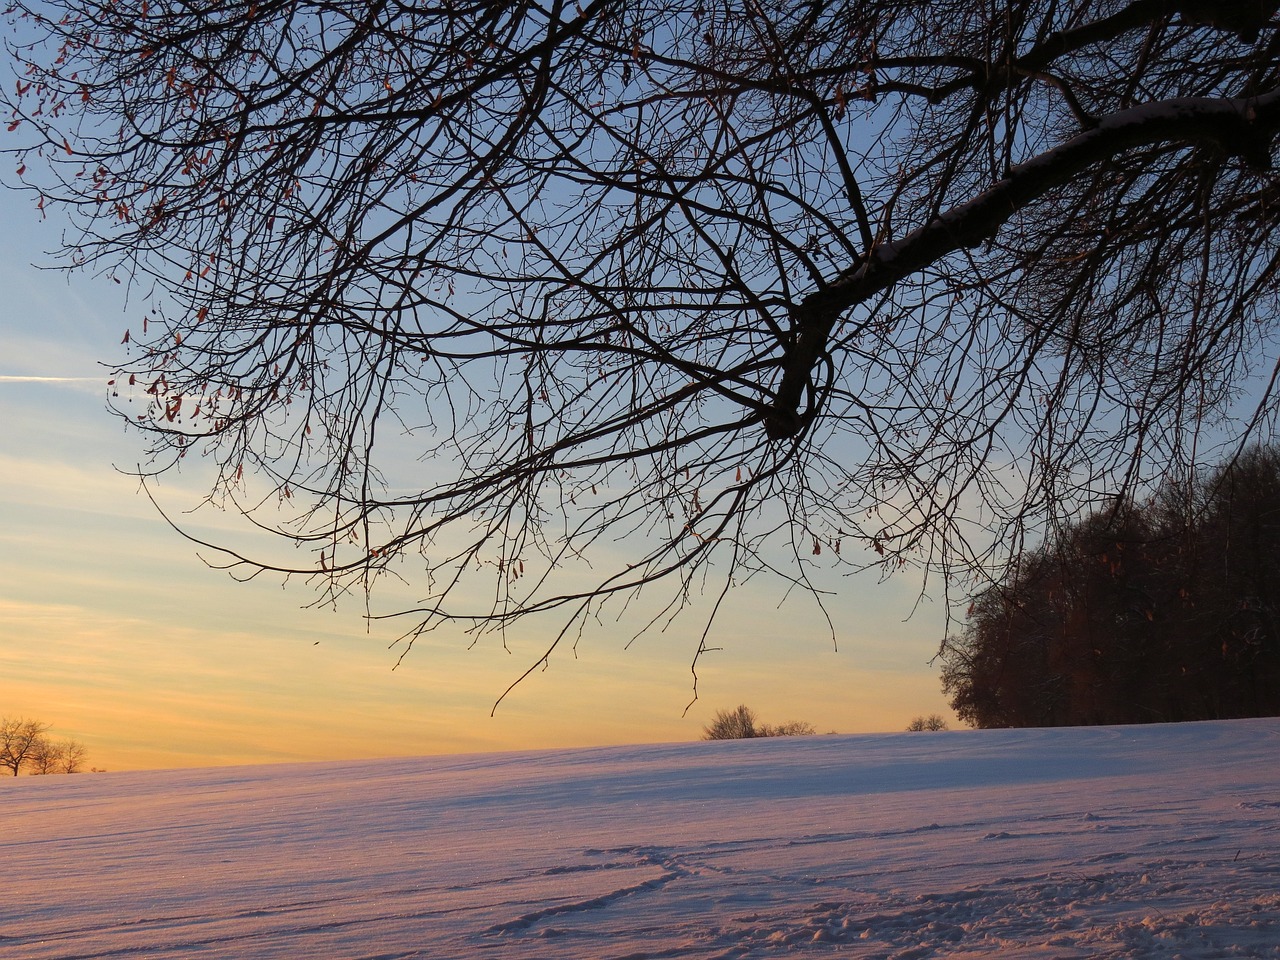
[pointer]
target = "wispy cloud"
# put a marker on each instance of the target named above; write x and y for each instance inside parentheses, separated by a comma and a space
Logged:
(11, 378)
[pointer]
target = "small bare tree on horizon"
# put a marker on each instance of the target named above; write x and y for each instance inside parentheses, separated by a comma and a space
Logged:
(741, 723)
(932, 723)
(25, 745)
(21, 742)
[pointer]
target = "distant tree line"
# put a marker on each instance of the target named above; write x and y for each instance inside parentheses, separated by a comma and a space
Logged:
(1161, 610)
(742, 724)
(24, 745)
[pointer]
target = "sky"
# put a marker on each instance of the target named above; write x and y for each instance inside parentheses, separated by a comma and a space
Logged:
(115, 632)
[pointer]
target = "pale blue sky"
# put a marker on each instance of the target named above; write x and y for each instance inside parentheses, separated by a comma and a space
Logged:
(114, 631)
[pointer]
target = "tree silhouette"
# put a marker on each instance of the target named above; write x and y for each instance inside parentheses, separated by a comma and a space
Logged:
(25, 745)
(22, 742)
(557, 301)
(739, 724)
(742, 724)
(71, 756)
(1165, 610)
(932, 723)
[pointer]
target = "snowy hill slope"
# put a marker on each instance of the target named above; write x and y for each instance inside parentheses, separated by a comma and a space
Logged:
(1157, 841)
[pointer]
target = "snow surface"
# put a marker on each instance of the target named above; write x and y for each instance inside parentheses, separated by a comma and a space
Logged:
(1158, 841)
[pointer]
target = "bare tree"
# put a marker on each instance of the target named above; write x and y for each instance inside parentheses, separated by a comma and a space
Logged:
(680, 291)
(46, 756)
(742, 724)
(739, 724)
(22, 742)
(72, 757)
(792, 728)
(932, 723)
(25, 745)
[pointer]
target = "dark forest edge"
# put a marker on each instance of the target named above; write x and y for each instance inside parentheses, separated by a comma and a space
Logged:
(1160, 610)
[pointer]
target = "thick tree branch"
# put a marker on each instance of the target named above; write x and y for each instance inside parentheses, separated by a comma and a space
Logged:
(452, 291)
(1242, 126)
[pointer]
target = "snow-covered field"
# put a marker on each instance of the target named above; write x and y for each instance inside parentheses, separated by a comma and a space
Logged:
(1159, 841)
